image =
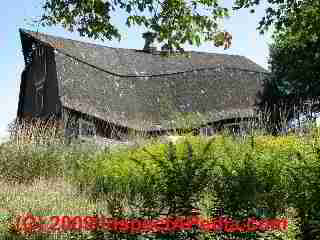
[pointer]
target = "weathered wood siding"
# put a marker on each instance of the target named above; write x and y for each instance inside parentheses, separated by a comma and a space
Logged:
(74, 121)
(40, 78)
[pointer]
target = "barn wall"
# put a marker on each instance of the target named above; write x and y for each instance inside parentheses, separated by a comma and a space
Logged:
(27, 102)
(51, 99)
(74, 122)
(39, 78)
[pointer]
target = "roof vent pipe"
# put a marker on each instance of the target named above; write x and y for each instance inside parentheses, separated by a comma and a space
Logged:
(149, 45)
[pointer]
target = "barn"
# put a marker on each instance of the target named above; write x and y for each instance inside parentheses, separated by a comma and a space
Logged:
(94, 90)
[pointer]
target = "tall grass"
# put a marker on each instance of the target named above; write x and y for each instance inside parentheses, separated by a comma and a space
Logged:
(240, 174)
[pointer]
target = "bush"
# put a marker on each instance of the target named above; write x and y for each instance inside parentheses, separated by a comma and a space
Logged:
(242, 176)
(24, 163)
(157, 179)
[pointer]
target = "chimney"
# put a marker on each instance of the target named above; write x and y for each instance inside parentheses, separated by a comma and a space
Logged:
(149, 45)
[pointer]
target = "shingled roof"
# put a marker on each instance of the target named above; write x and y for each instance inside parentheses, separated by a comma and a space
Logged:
(147, 91)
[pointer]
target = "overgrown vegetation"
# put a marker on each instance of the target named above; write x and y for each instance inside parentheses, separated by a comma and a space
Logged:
(256, 175)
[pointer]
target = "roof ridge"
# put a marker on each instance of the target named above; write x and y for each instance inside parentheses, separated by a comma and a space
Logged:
(154, 75)
(132, 49)
(30, 33)
(53, 36)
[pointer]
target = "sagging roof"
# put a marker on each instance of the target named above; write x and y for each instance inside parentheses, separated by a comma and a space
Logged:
(147, 91)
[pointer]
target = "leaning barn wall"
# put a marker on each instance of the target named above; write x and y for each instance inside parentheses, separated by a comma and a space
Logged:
(40, 86)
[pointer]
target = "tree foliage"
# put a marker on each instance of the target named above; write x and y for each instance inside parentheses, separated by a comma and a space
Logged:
(174, 22)
(294, 79)
(296, 71)
(294, 59)
(297, 15)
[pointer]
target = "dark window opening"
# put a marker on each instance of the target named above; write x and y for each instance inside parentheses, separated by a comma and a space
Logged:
(234, 128)
(206, 131)
(71, 126)
(39, 100)
(87, 128)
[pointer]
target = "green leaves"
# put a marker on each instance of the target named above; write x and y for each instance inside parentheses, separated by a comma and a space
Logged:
(291, 14)
(183, 175)
(90, 17)
(295, 68)
(294, 55)
(174, 22)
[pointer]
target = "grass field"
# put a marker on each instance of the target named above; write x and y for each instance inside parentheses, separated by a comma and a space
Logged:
(155, 178)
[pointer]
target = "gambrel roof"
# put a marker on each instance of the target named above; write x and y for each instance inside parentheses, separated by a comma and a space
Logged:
(148, 91)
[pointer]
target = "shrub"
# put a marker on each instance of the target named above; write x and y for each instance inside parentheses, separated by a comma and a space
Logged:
(240, 175)
(24, 163)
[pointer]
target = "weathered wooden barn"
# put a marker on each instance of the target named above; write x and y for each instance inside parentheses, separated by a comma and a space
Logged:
(108, 92)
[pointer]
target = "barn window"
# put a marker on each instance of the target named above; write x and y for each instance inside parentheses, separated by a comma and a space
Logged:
(87, 128)
(72, 125)
(206, 131)
(39, 99)
(234, 128)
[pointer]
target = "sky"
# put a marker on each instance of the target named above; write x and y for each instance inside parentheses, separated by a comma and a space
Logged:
(17, 14)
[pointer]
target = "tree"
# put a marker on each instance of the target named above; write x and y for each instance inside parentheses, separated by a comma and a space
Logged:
(298, 15)
(294, 58)
(294, 78)
(174, 22)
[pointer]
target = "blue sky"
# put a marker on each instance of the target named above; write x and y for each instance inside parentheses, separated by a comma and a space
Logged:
(19, 14)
